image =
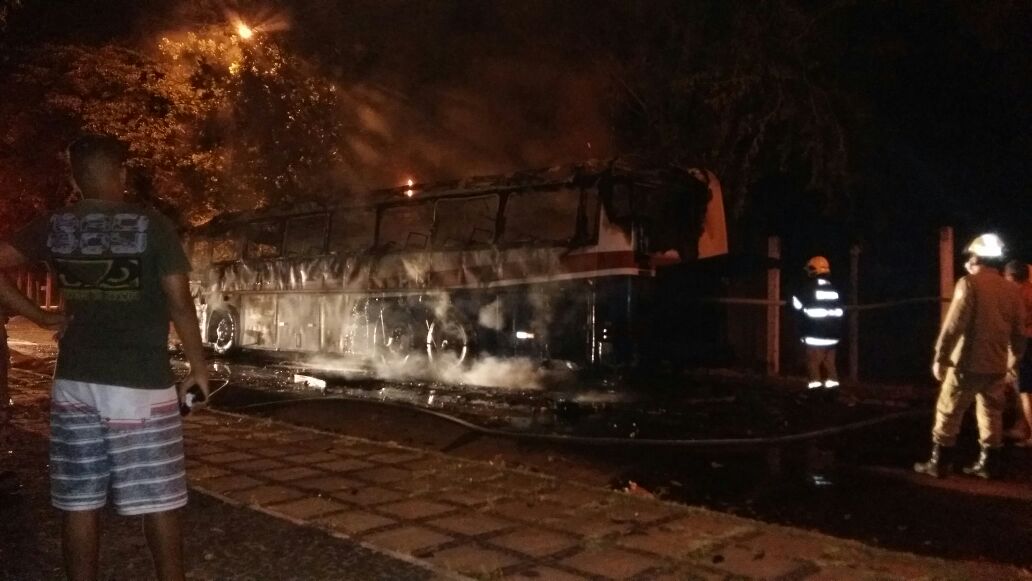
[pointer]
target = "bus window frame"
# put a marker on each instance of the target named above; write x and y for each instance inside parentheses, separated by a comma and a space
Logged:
(578, 238)
(324, 247)
(233, 234)
(248, 229)
(372, 209)
(381, 209)
(469, 246)
(193, 241)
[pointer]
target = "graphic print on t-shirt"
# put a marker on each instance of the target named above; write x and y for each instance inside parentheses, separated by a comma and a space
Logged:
(98, 256)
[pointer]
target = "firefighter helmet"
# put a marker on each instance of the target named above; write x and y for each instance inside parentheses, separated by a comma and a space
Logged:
(985, 246)
(818, 265)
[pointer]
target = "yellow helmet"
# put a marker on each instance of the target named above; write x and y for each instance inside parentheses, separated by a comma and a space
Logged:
(986, 246)
(818, 265)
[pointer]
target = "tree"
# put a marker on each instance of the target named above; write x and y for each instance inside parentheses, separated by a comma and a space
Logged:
(212, 124)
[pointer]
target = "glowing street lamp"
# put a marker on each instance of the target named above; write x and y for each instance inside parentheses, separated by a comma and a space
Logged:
(244, 31)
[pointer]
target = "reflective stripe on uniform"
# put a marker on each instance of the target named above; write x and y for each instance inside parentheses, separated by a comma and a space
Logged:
(822, 313)
(820, 342)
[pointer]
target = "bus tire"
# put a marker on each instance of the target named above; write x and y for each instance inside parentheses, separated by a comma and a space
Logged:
(224, 331)
(449, 342)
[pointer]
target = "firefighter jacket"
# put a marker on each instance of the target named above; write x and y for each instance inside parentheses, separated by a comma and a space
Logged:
(986, 318)
(820, 313)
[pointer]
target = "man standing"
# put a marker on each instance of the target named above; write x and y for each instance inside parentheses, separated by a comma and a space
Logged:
(821, 323)
(985, 319)
(1017, 272)
(115, 424)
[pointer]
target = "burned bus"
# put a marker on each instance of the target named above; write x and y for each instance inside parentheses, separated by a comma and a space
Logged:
(556, 265)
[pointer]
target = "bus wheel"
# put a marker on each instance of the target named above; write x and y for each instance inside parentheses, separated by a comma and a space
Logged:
(447, 342)
(222, 331)
(394, 337)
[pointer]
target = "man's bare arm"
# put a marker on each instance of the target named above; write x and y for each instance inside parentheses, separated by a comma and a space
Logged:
(17, 302)
(184, 318)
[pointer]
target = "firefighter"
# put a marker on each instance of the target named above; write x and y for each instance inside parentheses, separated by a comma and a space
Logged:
(820, 310)
(985, 321)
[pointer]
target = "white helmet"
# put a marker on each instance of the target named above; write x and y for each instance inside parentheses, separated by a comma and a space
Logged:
(985, 246)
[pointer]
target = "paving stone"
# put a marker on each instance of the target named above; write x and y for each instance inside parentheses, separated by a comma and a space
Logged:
(811, 548)
(354, 449)
(395, 457)
(543, 574)
(278, 451)
(227, 483)
(431, 464)
(345, 465)
(307, 508)
(326, 483)
(312, 458)
(672, 544)
(609, 562)
(259, 465)
(266, 494)
(690, 573)
(408, 539)
(512, 483)
(473, 560)
(355, 522)
(299, 436)
(531, 510)
(383, 475)
(294, 473)
(471, 523)
(227, 457)
(415, 509)
(710, 524)
(535, 542)
(247, 444)
(471, 497)
(592, 525)
(204, 471)
(368, 495)
(751, 562)
(838, 573)
(426, 483)
(203, 449)
(214, 438)
(638, 512)
(574, 496)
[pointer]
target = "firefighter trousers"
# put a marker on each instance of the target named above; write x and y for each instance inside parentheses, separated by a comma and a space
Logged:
(820, 364)
(959, 390)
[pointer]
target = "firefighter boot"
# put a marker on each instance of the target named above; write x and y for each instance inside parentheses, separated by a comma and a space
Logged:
(939, 464)
(988, 464)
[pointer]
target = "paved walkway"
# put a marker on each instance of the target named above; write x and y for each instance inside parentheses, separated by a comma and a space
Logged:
(467, 518)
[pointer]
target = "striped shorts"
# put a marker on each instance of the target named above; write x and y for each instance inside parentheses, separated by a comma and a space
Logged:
(119, 438)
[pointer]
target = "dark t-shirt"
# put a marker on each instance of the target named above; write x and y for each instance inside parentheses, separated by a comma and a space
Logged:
(109, 258)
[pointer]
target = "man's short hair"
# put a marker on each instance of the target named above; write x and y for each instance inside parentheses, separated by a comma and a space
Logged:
(92, 149)
(1018, 270)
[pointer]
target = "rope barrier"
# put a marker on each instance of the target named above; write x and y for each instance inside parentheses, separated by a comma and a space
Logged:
(864, 307)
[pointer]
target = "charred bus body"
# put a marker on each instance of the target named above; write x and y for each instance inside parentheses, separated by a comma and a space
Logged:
(557, 265)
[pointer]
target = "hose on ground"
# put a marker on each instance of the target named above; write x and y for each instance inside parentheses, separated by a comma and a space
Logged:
(616, 441)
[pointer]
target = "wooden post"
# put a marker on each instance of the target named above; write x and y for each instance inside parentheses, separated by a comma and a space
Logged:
(31, 290)
(946, 274)
(49, 290)
(854, 315)
(774, 307)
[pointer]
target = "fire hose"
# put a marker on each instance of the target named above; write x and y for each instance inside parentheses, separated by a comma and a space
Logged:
(723, 443)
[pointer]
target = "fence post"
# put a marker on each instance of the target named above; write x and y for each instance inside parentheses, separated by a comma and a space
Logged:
(49, 290)
(854, 315)
(945, 270)
(774, 307)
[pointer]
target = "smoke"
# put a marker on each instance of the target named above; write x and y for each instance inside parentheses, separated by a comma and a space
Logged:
(519, 373)
(490, 315)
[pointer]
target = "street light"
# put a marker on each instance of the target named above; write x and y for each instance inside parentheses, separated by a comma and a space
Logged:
(244, 31)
